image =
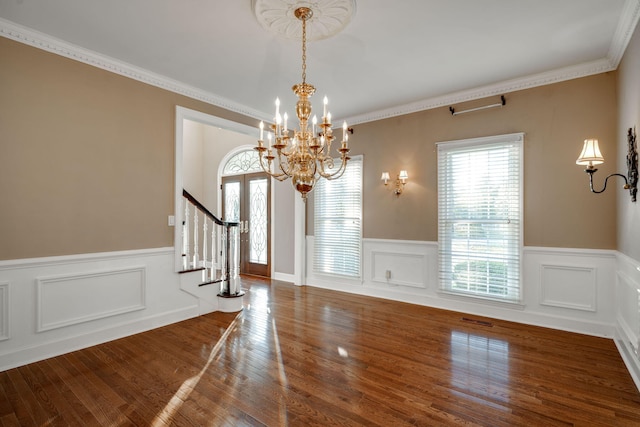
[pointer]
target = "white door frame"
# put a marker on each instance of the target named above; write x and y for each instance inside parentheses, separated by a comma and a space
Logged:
(182, 114)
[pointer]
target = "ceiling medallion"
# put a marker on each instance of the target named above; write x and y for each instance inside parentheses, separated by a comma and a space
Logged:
(328, 19)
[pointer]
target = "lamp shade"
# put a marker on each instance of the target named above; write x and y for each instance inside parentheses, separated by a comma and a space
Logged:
(590, 154)
(385, 176)
(403, 175)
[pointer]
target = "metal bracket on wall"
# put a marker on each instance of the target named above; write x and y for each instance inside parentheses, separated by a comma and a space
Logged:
(631, 179)
(499, 104)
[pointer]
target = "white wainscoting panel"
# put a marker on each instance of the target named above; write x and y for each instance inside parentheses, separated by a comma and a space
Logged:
(70, 299)
(404, 269)
(628, 301)
(410, 265)
(563, 288)
(628, 296)
(628, 314)
(567, 286)
(61, 304)
(571, 289)
(4, 311)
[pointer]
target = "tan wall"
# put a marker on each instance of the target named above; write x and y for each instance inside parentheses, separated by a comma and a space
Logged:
(629, 117)
(559, 209)
(87, 161)
(86, 157)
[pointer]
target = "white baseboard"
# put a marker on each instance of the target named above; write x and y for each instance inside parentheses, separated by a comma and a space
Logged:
(40, 351)
(630, 358)
(284, 277)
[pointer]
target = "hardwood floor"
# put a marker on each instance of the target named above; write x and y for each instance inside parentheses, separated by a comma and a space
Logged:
(311, 357)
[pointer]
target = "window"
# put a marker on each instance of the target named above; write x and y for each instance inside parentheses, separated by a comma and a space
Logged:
(243, 162)
(480, 216)
(338, 223)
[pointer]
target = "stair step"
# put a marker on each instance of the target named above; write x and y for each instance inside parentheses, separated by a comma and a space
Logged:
(211, 282)
(190, 270)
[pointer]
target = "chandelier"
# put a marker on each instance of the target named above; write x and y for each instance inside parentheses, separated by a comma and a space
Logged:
(304, 155)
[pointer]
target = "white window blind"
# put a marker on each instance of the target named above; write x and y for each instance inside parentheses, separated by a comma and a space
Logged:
(480, 216)
(338, 223)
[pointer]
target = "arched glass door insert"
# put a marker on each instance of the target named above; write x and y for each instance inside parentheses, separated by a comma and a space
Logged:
(243, 162)
(246, 198)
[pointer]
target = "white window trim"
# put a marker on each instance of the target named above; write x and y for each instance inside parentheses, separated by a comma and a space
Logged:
(497, 139)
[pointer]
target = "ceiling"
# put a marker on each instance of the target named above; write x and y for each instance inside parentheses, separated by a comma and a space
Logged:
(393, 57)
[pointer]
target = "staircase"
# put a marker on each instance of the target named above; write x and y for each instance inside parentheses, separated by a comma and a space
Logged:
(210, 258)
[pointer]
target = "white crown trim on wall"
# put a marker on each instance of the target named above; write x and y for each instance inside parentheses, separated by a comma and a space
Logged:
(624, 31)
(501, 88)
(626, 26)
(45, 42)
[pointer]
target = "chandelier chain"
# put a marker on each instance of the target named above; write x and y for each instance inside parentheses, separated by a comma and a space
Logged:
(304, 155)
(304, 50)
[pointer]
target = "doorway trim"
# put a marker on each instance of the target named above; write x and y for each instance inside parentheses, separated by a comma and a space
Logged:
(183, 114)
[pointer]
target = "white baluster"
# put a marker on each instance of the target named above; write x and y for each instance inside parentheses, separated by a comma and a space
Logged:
(213, 251)
(196, 257)
(205, 229)
(224, 283)
(185, 235)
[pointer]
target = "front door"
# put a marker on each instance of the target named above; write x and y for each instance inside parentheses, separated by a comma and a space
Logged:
(246, 199)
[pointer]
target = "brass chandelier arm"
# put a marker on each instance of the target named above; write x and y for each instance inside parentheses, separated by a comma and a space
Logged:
(282, 162)
(267, 168)
(335, 174)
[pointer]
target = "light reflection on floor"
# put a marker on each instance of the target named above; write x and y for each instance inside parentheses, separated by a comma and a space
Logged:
(479, 365)
(259, 303)
(182, 394)
(263, 329)
(231, 348)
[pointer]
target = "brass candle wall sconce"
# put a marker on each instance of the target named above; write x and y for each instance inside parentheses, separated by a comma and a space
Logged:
(401, 180)
(591, 156)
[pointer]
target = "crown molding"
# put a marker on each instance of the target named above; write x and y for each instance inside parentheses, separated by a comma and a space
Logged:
(45, 42)
(501, 88)
(624, 31)
(626, 26)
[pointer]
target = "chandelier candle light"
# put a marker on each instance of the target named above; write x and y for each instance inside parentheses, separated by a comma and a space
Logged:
(304, 155)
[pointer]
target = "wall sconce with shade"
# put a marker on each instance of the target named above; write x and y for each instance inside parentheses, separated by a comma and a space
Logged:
(591, 156)
(401, 180)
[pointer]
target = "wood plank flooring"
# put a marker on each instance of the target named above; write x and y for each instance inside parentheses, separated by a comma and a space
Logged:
(311, 357)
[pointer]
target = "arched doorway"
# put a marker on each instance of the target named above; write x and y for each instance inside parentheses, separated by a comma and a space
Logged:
(246, 198)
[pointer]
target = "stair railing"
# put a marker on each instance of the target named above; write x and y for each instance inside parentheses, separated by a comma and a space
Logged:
(211, 245)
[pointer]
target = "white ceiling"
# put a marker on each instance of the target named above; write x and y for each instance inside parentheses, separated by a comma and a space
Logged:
(393, 57)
